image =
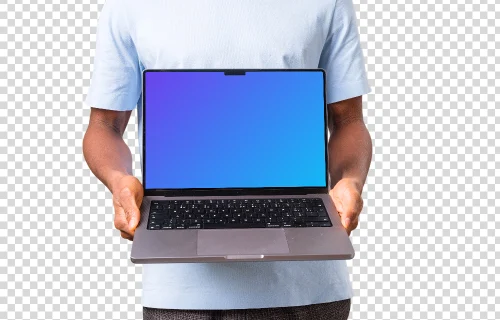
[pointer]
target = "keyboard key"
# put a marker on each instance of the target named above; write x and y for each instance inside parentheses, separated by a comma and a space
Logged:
(312, 224)
(273, 225)
(311, 214)
(316, 219)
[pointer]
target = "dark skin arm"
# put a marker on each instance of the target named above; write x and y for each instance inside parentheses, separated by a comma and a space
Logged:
(350, 150)
(109, 158)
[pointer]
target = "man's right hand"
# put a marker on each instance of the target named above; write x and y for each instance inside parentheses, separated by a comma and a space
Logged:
(127, 199)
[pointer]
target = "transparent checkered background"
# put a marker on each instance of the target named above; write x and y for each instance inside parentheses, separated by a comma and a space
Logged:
(426, 245)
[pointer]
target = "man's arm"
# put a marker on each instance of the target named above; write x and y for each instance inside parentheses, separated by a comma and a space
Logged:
(109, 158)
(350, 154)
(107, 155)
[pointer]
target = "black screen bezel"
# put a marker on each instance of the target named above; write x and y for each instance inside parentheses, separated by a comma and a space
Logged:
(232, 191)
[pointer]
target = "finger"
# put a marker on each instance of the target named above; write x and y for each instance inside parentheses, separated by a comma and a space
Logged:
(126, 236)
(352, 226)
(346, 222)
(349, 219)
(352, 209)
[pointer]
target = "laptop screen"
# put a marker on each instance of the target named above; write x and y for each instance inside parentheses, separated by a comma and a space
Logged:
(258, 129)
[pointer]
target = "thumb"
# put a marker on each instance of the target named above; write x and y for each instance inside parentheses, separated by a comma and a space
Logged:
(336, 201)
(340, 208)
(129, 205)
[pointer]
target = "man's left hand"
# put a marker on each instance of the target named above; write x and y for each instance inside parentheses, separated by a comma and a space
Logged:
(346, 196)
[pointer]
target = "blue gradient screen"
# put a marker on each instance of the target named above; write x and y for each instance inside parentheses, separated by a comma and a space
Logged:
(205, 129)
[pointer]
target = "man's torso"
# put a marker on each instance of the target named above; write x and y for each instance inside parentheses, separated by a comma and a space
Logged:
(196, 34)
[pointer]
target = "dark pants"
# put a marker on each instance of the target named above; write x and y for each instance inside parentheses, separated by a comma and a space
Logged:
(338, 310)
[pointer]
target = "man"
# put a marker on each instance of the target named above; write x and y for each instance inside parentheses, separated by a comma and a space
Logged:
(134, 35)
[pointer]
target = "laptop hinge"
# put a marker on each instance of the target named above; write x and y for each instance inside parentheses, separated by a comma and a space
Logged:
(234, 192)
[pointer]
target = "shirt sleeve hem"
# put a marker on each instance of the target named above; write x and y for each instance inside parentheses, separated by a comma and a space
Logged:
(347, 90)
(113, 106)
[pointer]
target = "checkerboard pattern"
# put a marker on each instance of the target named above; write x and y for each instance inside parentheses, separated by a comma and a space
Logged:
(426, 244)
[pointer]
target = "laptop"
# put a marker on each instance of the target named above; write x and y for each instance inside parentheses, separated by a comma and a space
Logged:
(235, 168)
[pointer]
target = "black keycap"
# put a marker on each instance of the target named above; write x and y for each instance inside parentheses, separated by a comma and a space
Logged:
(313, 224)
(157, 218)
(157, 213)
(316, 219)
(273, 225)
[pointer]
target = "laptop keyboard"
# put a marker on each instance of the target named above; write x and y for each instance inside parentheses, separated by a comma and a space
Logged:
(238, 213)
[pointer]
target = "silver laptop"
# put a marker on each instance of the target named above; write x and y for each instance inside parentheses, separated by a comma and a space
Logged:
(235, 168)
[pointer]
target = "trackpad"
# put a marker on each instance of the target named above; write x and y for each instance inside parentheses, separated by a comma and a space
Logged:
(241, 241)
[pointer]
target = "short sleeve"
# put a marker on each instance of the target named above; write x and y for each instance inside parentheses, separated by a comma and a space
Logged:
(342, 56)
(116, 78)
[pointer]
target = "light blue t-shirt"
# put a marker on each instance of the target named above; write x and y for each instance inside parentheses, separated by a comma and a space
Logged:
(134, 35)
